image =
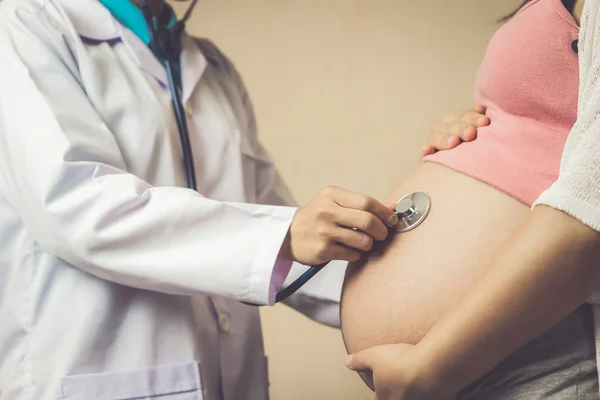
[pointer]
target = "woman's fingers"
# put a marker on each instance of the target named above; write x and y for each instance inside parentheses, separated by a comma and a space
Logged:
(456, 128)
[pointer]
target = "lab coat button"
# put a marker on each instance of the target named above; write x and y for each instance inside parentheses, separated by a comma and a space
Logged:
(224, 323)
(188, 109)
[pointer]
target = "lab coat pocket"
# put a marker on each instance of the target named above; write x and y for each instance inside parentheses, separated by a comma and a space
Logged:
(164, 382)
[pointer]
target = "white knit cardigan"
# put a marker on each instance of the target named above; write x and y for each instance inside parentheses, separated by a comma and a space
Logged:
(577, 189)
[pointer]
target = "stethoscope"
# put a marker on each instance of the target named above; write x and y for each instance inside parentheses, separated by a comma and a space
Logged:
(412, 209)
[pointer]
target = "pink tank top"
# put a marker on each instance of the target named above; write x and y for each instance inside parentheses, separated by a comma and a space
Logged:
(529, 80)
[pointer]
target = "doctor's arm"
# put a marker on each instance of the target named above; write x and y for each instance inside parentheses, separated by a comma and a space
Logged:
(319, 298)
(64, 175)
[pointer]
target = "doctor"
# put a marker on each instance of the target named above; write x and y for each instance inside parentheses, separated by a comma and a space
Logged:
(116, 281)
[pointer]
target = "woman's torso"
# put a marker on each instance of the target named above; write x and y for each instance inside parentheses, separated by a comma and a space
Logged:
(529, 82)
(403, 288)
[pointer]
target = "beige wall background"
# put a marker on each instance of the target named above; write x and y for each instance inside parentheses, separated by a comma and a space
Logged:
(346, 92)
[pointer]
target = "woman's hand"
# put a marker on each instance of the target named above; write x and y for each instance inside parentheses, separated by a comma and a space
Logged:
(455, 128)
(397, 373)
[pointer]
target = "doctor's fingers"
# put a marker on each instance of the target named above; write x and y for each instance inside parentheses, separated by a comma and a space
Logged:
(362, 203)
(361, 223)
(343, 253)
(353, 239)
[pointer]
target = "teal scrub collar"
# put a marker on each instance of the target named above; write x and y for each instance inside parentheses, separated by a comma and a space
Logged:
(131, 17)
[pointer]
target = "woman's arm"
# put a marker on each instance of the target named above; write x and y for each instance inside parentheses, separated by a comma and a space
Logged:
(544, 273)
(63, 173)
(551, 266)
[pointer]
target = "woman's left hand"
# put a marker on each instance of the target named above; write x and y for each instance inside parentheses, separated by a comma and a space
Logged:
(455, 128)
(397, 373)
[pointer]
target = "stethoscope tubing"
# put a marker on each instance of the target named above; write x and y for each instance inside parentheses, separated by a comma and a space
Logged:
(164, 42)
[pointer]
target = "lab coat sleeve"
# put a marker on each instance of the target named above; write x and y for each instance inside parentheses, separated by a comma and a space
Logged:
(319, 298)
(62, 172)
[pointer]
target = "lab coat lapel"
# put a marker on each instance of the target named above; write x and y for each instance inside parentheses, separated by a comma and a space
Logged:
(95, 22)
(193, 62)
(91, 20)
(145, 57)
(193, 65)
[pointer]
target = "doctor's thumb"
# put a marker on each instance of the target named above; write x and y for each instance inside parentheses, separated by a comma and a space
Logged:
(391, 206)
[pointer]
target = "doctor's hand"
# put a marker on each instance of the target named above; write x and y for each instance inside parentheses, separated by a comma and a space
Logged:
(397, 373)
(455, 128)
(337, 225)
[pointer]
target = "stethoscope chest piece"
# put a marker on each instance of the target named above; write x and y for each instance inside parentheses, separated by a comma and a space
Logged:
(412, 209)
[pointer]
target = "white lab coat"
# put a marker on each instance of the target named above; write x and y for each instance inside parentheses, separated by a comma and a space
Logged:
(116, 282)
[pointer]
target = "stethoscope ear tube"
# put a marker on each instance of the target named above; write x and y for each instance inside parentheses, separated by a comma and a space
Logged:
(165, 44)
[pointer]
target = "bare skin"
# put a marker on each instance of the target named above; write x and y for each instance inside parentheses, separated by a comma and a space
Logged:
(399, 292)
(578, 11)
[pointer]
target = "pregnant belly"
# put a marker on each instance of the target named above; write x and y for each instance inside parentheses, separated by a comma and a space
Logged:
(402, 288)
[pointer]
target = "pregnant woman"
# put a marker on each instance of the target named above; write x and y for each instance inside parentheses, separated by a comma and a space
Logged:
(481, 193)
